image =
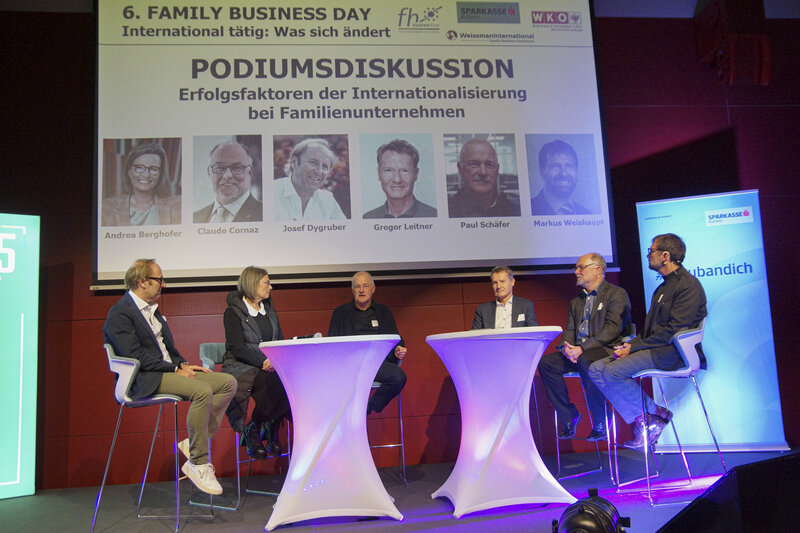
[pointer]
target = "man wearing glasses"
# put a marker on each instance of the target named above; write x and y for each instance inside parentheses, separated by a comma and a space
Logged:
(301, 196)
(136, 328)
(678, 303)
(231, 174)
(365, 316)
(479, 195)
(596, 322)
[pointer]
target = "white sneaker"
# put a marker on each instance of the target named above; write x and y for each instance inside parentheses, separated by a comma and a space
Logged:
(203, 477)
(183, 446)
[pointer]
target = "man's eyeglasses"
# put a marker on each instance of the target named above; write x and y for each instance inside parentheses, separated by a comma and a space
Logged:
(476, 165)
(579, 268)
(651, 250)
(140, 169)
(236, 170)
(158, 280)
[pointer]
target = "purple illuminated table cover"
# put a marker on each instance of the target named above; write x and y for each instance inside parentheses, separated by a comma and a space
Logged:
(498, 464)
(331, 470)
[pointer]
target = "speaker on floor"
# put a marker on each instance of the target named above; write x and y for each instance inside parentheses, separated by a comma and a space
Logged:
(755, 497)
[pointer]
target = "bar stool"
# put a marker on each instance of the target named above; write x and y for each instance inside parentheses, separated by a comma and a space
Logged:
(212, 354)
(599, 467)
(126, 369)
(688, 344)
(401, 444)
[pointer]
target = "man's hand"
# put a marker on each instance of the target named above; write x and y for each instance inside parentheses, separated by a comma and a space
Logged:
(622, 351)
(571, 352)
(266, 366)
(188, 370)
(400, 351)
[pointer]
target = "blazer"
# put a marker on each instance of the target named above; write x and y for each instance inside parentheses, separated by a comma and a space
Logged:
(116, 210)
(608, 320)
(539, 206)
(131, 336)
(252, 211)
(485, 313)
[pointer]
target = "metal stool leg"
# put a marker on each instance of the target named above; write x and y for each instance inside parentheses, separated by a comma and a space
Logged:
(596, 447)
(108, 464)
(402, 439)
(705, 413)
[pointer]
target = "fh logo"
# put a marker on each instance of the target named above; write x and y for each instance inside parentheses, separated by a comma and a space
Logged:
(408, 18)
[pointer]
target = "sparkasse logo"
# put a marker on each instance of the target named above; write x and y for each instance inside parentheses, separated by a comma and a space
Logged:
(731, 215)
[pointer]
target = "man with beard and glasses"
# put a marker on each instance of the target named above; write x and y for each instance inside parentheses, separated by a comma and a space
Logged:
(678, 303)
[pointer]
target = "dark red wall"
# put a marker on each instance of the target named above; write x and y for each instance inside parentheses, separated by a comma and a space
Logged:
(672, 130)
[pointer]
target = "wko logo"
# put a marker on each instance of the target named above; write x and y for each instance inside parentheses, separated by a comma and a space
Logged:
(556, 17)
(732, 215)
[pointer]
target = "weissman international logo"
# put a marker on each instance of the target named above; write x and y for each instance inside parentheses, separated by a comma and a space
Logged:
(488, 12)
(412, 19)
(731, 215)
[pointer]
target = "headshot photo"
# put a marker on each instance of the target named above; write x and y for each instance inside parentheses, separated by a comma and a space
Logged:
(312, 177)
(397, 176)
(141, 182)
(227, 181)
(482, 178)
(562, 174)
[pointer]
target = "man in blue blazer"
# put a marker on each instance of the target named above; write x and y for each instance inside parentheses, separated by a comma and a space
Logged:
(597, 320)
(507, 310)
(137, 329)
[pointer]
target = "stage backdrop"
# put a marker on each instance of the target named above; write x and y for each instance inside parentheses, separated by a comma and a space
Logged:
(186, 76)
(19, 318)
(724, 250)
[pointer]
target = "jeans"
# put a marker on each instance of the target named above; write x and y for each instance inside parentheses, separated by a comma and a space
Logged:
(613, 378)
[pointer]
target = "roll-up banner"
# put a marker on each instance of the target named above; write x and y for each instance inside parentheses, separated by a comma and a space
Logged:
(725, 251)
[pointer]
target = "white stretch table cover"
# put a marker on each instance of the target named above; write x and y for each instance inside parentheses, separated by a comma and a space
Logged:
(498, 463)
(331, 470)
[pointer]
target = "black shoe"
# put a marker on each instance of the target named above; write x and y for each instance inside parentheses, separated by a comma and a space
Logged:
(598, 432)
(252, 439)
(269, 434)
(568, 432)
(655, 425)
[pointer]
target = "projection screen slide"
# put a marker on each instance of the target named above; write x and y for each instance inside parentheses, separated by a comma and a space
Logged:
(320, 138)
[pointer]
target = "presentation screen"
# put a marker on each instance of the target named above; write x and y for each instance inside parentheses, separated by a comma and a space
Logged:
(321, 138)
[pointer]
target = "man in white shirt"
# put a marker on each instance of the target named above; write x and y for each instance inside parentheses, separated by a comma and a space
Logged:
(301, 196)
(507, 310)
(231, 173)
(136, 329)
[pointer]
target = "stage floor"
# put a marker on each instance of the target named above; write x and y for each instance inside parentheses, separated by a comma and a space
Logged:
(71, 509)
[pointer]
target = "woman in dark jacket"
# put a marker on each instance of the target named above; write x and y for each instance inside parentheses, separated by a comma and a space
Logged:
(249, 320)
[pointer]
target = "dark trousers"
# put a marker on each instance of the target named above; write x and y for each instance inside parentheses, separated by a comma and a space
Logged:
(392, 380)
(270, 398)
(552, 368)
